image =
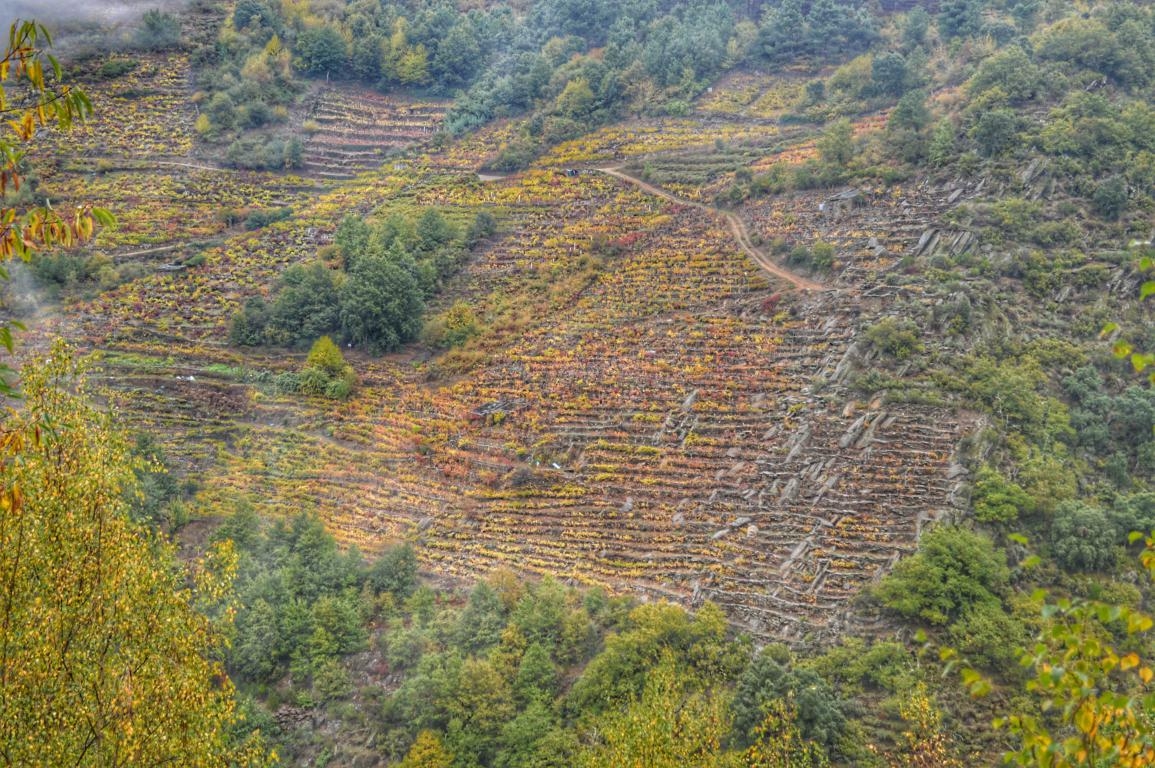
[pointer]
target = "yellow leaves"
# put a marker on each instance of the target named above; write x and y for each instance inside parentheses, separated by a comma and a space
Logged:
(108, 648)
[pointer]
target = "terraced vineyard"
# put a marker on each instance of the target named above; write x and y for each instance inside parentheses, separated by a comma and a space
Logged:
(648, 410)
(355, 130)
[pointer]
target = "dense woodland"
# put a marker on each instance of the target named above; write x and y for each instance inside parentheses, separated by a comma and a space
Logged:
(193, 581)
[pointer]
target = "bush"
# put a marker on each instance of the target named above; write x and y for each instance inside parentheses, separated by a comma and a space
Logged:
(953, 570)
(1082, 538)
(998, 500)
(995, 131)
(326, 373)
(263, 218)
(1110, 198)
(114, 68)
(898, 338)
(158, 31)
(326, 356)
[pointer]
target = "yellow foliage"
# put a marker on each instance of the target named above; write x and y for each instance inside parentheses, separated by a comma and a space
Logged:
(103, 658)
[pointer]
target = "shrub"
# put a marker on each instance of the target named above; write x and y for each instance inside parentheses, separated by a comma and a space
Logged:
(114, 68)
(158, 30)
(953, 570)
(998, 500)
(326, 357)
(898, 338)
(1082, 538)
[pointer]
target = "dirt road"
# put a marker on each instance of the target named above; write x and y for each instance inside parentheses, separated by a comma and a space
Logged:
(737, 228)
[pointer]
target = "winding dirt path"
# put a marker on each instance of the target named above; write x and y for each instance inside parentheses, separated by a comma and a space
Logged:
(737, 228)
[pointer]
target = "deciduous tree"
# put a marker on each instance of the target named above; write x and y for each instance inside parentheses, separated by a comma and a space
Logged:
(105, 658)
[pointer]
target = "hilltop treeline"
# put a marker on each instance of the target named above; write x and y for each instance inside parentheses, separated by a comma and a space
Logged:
(570, 64)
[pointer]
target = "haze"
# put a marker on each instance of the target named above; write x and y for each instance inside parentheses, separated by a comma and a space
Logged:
(53, 12)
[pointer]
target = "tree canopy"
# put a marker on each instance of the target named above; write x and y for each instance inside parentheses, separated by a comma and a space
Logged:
(108, 654)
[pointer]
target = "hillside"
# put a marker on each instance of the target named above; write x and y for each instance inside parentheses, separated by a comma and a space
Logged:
(743, 350)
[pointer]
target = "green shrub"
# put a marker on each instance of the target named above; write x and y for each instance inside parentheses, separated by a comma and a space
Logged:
(998, 500)
(953, 570)
(897, 338)
(1082, 538)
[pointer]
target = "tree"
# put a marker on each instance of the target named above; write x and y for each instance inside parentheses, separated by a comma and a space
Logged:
(381, 304)
(576, 99)
(458, 56)
(395, 572)
(778, 742)
(768, 683)
(959, 18)
(306, 306)
(413, 66)
(1082, 537)
(427, 752)
(158, 30)
(42, 100)
(995, 131)
(836, 144)
(432, 231)
(1110, 198)
(953, 569)
(1094, 690)
(888, 74)
(105, 658)
(322, 50)
(669, 725)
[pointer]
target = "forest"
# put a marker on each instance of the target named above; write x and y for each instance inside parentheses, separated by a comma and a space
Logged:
(576, 383)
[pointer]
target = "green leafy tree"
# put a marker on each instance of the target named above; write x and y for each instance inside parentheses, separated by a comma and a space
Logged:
(959, 18)
(322, 51)
(1094, 689)
(836, 144)
(996, 131)
(458, 56)
(769, 683)
(158, 30)
(888, 74)
(536, 675)
(953, 569)
(381, 304)
(1082, 537)
(395, 572)
(105, 658)
(534, 739)
(1110, 198)
(352, 239)
(413, 66)
(306, 306)
(779, 743)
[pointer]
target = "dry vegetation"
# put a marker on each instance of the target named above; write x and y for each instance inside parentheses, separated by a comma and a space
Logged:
(645, 408)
